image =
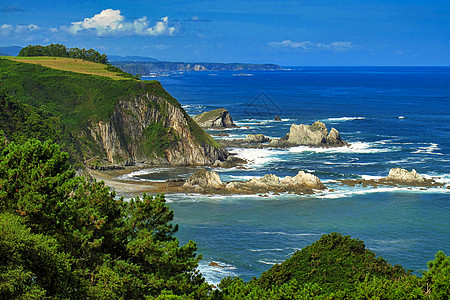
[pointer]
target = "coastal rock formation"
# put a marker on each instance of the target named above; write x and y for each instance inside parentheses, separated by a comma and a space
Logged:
(397, 176)
(231, 162)
(209, 182)
(404, 176)
(256, 138)
(277, 118)
(315, 135)
(148, 129)
(204, 179)
(218, 118)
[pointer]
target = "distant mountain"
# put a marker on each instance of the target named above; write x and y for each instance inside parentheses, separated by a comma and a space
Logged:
(10, 51)
(113, 58)
(147, 68)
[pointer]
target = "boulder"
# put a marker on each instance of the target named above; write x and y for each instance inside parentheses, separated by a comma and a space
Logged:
(303, 179)
(203, 179)
(256, 138)
(218, 118)
(315, 135)
(277, 118)
(404, 176)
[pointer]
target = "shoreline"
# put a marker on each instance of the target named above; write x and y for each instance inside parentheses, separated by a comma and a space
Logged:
(137, 188)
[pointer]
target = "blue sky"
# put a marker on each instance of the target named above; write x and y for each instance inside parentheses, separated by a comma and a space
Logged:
(352, 32)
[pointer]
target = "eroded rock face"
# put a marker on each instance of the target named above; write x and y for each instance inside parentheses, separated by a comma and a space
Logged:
(404, 176)
(315, 135)
(218, 118)
(204, 179)
(123, 136)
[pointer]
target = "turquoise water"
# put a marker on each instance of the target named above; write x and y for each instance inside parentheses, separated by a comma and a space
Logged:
(393, 117)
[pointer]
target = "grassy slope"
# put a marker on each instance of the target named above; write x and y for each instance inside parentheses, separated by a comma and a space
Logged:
(69, 64)
(77, 98)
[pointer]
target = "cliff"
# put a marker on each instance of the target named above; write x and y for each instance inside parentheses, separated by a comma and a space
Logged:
(118, 122)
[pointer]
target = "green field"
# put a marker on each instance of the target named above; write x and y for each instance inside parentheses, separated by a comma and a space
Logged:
(69, 64)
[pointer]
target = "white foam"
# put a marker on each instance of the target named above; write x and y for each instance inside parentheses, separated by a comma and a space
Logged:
(344, 119)
(429, 149)
(214, 275)
(354, 191)
(133, 175)
(259, 157)
(356, 147)
(270, 263)
(264, 250)
(371, 177)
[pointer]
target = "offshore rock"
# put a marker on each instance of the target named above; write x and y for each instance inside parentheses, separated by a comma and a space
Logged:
(218, 118)
(256, 138)
(203, 179)
(404, 176)
(277, 118)
(315, 135)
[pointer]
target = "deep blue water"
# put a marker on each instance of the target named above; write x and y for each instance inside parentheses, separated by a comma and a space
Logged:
(392, 116)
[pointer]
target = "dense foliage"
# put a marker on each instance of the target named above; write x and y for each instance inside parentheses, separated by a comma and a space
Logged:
(338, 267)
(20, 122)
(64, 237)
(58, 50)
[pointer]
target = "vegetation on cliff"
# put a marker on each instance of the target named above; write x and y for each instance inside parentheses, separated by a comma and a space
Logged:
(83, 102)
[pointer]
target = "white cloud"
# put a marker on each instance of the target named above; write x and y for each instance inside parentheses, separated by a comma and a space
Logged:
(110, 22)
(310, 46)
(7, 29)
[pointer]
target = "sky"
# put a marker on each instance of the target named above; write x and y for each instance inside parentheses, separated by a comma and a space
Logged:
(285, 32)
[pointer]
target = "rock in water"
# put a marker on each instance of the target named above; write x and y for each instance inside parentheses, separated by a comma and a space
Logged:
(277, 118)
(218, 118)
(404, 176)
(204, 179)
(303, 179)
(315, 135)
(256, 138)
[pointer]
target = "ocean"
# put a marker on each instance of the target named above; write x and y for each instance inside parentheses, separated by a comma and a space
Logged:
(391, 116)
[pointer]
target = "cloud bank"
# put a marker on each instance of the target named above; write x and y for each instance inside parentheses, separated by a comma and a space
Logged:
(112, 22)
(310, 46)
(7, 29)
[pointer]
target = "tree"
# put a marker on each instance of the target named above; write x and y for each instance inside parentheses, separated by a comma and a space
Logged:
(437, 278)
(116, 248)
(31, 267)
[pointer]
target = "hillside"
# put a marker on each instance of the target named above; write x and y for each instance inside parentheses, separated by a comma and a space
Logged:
(117, 120)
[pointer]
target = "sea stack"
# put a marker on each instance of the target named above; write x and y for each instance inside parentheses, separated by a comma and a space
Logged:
(218, 118)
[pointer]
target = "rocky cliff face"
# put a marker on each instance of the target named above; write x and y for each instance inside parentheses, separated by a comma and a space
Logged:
(148, 129)
(218, 118)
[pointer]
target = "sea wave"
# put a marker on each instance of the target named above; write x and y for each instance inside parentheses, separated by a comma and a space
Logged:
(259, 157)
(214, 274)
(335, 194)
(135, 175)
(264, 250)
(355, 147)
(429, 149)
(343, 119)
